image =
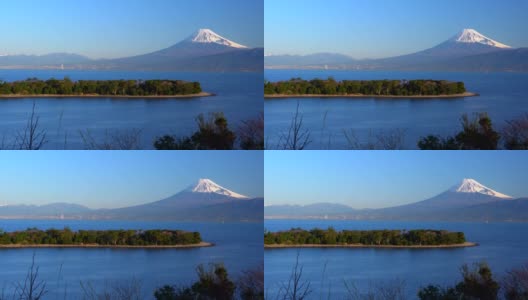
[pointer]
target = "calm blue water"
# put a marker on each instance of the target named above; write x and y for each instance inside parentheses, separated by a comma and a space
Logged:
(238, 246)
(502, 95)
(502, 246)
(239, 96)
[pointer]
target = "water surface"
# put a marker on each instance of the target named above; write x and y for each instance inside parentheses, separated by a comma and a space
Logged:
(238, 96)
(238, 246)
(502, 96)
(501, 245)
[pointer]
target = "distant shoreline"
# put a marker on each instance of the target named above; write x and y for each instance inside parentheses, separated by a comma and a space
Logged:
(17, 96)
(21, 246)
(284, 96)
(285, 246)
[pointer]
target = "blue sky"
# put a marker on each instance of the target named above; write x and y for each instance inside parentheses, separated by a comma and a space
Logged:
(381, 28)
(115, 28)
(121, 178)
(374, 179)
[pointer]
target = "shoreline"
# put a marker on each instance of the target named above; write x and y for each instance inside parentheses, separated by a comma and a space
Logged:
(17, 96)
(285, 246)
(284, 96)
(97, 246)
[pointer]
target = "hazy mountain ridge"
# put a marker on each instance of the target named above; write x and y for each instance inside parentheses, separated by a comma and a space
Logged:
(204, 201)
(467, 201)
(467, 51)
(203, 51)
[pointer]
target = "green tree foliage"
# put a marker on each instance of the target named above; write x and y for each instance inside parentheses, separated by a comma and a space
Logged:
(298, 86)
(213, 134)
(33, 86)
(477, 134)
(477, 283)
(298, 236)
(66, 236)
(213, 283)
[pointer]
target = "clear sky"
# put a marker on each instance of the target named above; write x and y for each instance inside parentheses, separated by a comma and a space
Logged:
(116, 28)
(374, 179)
(382, 28)
(110, 179)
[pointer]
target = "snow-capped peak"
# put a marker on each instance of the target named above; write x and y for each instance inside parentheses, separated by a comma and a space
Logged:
(208, 186)
(472, 186)
(473, 36)
(209, 36)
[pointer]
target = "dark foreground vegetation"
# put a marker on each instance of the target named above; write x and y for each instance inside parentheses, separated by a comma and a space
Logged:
(33, 236)
(477, 282)
(477, 133)
(33, 86)
(298, 86)
(213, 282)
(214, 134)
(330, 236)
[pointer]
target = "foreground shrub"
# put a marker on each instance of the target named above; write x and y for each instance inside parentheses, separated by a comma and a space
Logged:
(477, 283)
(477, 134)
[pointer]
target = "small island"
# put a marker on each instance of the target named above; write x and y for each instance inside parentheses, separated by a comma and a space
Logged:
(391, 89)
(66, 88)
(330, 238)
(66, 238)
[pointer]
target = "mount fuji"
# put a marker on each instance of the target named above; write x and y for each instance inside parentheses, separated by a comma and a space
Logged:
(467, 193)
(465, 201)
(204, 50)
(468, 50)
(466, 42)
(204, 200)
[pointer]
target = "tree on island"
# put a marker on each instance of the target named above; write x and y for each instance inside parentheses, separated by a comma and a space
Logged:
(330, 236)
(298, 86)
(33, 86)
(34, 236)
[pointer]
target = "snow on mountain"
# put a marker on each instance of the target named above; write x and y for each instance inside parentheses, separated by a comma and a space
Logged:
(208, 186)
(209, 36)
(472, 186)
(473, 36)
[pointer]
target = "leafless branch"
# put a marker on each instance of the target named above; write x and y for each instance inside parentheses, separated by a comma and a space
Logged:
(32, 137)
(297, 138)
(32, 288)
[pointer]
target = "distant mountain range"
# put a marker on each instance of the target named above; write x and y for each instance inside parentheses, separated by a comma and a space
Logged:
(202, 51)
(466, 51)
(203, 201)
(467, 201)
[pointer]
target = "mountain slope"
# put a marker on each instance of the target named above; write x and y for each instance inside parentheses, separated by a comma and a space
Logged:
(513, 210)
(204, 51)
(204, 201)
(203, 196)
(468, 200)
(468, 50)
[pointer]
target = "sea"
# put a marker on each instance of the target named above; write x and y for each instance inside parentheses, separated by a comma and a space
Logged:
(352, 123)
(239, 246)
(502, 246)
(105, 121)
